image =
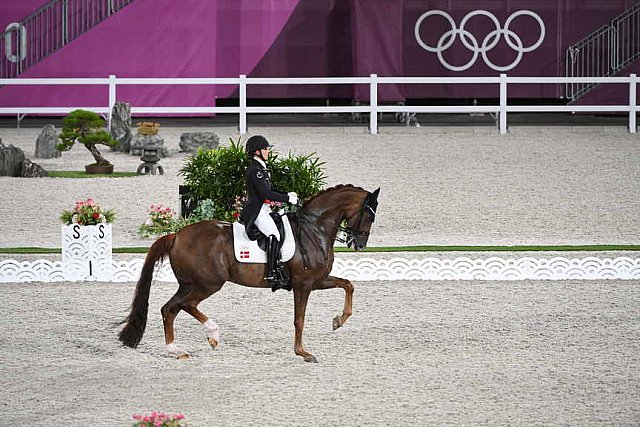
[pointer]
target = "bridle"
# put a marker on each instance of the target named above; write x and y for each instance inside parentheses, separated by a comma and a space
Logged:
(369, 206)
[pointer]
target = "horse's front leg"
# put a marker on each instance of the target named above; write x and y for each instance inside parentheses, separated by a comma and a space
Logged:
(300, 298)
(336, 282)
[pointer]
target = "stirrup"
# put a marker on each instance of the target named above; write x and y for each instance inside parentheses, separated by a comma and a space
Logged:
(278, 281)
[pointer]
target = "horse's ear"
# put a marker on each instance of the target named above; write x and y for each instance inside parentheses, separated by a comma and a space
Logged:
(373, 199)
(374, 195)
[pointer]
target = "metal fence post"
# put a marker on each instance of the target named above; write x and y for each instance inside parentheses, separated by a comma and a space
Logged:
(65, 22)
(243, 104)
(373, 103)
(112, 96)
(503, 103)
(633, 80)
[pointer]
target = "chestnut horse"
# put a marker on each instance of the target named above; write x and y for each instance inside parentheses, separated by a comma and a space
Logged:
(202, 260)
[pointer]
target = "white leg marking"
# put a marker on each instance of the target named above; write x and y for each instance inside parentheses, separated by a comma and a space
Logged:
(175, 351)
(212, 330)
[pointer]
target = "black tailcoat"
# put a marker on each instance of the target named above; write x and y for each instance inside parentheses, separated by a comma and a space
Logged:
(258, 191)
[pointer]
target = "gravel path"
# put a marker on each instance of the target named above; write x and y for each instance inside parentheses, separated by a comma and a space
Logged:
(436, 188)
(414, 353)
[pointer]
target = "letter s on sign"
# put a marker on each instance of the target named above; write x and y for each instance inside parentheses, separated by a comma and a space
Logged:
(101, 228)
(76, 231)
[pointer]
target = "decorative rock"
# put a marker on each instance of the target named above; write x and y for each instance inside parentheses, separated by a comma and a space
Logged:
(120, 129)
(140, 141)
(191, 141)
(32, 170)
(11, 159)
(46, 143)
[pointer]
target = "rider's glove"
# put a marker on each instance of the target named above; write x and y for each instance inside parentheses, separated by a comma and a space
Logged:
(293, 198)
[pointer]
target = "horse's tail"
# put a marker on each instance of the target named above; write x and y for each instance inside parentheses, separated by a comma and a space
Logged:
(136, 322)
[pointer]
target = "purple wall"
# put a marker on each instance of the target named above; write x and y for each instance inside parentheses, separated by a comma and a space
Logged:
(297, 38)
(14, 11)
(159, 38)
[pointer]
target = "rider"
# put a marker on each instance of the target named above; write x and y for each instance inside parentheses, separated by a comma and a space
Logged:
(258, 208)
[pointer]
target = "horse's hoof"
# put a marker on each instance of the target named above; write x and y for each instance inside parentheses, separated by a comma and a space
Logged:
(310, 358)
(337, 322)
(213, 343)
(176, 352)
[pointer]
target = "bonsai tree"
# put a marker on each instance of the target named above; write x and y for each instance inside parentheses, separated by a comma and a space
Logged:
(85, 127)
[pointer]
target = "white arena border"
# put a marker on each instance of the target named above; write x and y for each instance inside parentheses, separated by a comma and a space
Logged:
(369, 269)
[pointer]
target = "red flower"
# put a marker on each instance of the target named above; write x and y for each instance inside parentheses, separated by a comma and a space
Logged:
(96, 215)
(236, 215)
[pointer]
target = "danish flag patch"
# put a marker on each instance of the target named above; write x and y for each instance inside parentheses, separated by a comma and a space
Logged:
(244, 254)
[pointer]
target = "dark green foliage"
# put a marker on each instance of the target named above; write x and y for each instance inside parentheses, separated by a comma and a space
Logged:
(87, 128)
(218, 175)
(302, 174)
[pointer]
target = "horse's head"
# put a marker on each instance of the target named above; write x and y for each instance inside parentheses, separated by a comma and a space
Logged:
(346, 208)
(359, 222)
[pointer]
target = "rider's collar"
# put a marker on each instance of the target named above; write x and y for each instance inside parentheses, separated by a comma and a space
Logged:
(264, 165)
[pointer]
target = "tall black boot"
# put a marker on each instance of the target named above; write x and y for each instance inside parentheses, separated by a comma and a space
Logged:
(281, 274)
(274, 275)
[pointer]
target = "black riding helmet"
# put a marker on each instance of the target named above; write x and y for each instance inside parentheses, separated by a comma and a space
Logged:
(256, 142)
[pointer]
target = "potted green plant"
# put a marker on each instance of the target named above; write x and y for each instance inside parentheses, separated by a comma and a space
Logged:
(87, 128)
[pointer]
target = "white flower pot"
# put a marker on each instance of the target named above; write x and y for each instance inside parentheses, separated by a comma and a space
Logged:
(87, 252)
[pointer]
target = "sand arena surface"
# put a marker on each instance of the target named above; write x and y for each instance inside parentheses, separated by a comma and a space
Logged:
(436, 188)
(414, 353)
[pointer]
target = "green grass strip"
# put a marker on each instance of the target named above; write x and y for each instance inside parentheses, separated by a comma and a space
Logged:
(557, 248)
(81, 174)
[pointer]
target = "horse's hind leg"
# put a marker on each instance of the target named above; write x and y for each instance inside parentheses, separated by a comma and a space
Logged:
(188, 301)
(169, 312)
(336, 282)
(190, 305)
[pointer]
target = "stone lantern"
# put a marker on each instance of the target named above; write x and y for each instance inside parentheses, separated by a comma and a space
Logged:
(150, 158)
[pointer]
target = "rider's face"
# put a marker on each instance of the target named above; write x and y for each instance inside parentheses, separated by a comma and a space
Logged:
(265, 153)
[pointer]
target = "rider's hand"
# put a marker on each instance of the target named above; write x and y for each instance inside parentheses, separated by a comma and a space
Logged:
(293, 198)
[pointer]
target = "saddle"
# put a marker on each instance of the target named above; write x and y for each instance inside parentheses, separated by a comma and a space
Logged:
(251, 247)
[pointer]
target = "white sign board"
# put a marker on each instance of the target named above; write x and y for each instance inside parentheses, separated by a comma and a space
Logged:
(87, 252)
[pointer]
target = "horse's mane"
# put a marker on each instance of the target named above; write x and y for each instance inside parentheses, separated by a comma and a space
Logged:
(335, 188)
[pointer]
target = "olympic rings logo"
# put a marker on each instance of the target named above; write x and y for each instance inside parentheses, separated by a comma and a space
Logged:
(471, 42)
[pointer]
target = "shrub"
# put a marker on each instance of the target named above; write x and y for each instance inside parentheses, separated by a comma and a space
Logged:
(163, 220)
(218, 175)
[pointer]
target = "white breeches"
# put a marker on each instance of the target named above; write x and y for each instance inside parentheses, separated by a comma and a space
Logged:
(265, 223)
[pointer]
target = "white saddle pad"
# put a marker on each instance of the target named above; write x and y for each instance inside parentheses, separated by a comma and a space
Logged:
(248, 250)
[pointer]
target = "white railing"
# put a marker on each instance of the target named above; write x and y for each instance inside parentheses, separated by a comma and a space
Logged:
(501, 109)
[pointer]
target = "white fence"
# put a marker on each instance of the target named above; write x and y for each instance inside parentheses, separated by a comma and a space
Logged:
(501, 109)
(367, 269)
